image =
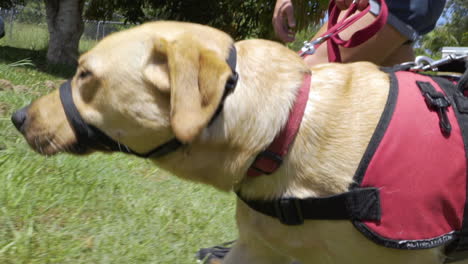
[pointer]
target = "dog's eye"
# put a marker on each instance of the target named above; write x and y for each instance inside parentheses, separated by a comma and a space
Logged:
(85, 73)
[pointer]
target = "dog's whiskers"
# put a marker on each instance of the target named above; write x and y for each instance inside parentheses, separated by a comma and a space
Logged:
(60, 144)
(118, 144)
(38, 146)
(53, 144)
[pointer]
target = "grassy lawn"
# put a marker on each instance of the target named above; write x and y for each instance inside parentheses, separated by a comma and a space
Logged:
(98, 209)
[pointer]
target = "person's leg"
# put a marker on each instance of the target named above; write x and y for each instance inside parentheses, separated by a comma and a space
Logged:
(386, 48)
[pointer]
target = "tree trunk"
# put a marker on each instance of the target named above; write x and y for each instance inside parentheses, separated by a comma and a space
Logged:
(65, 24)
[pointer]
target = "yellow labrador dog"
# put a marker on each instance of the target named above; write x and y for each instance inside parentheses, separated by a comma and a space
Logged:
(163, 80)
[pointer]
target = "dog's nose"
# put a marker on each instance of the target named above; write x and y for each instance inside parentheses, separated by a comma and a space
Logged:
(19, 118)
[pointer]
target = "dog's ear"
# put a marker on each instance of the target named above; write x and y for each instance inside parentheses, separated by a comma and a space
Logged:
(197, 77)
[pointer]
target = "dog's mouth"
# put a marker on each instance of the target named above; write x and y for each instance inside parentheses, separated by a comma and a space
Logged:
(50, 144)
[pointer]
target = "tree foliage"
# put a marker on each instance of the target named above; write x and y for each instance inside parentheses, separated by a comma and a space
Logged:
(239, 18)
(452, 33)
(457, 13)
(10, 3)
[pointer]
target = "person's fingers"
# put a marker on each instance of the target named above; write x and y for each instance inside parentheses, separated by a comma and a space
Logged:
(277, 20)
(284, 33)
(362, 4)
(289, 11)
(288, 14)
(280, 27)
(283, 20)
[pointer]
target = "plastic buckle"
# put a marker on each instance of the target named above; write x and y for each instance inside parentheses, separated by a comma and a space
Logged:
(267, 155)
(288, 211)
(439, 103)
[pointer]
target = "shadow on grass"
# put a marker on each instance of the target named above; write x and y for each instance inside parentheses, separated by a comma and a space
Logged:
(38, 58)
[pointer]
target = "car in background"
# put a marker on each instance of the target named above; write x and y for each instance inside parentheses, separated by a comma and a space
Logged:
(2, 28)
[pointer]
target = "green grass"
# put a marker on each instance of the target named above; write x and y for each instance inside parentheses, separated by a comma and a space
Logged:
(26, 36)
(97, 209)
(35, 37)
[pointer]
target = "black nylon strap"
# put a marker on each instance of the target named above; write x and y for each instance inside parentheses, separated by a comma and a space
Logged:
(81, 128)
(357, 204)
(86, 135)
(162, 150)
(462, 85)
(460, 97)
(230, 84)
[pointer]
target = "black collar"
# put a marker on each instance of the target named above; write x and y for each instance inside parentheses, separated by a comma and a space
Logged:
(230, 84)
(90, 136)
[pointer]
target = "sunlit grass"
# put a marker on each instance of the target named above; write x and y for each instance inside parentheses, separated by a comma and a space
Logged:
(95, 209)
(27, 36)
(35, 37)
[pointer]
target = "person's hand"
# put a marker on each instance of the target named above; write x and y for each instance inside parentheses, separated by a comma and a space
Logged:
(344, 4)
(284, 21)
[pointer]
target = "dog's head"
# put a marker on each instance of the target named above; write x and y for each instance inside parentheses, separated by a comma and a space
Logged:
(140, 87)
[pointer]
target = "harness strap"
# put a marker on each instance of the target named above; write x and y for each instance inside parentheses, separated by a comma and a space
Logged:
(460, 98)
(458, 249)
(269, 160)
(357, 204)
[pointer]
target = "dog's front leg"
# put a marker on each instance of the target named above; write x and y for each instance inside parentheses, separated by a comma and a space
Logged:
(254, 252)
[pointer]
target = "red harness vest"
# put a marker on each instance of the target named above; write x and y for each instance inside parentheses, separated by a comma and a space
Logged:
(417, 159)
(410, 188)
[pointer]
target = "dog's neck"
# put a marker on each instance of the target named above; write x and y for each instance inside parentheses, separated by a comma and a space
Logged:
(251, 118)
(327, 148)
(333, 136)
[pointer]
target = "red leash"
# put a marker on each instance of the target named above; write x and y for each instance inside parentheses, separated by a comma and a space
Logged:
(335, 27)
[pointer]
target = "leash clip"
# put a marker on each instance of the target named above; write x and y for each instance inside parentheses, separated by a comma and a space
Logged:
(424, 63)
(310, 47)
